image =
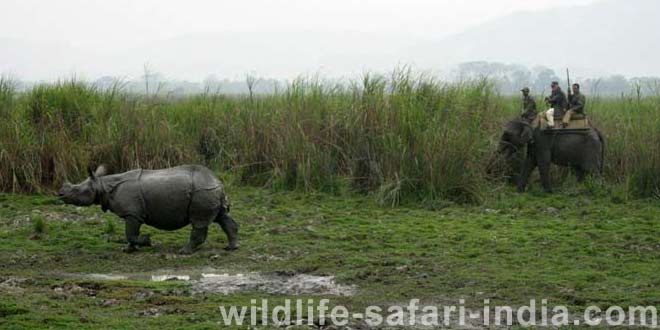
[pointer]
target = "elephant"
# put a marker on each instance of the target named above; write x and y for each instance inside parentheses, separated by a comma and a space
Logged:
(582, 150)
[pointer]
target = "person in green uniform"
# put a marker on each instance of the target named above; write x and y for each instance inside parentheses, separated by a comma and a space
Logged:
(576, 103)
(528, 106)
(557, 101)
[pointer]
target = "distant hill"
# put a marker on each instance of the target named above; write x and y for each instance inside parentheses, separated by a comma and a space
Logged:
(607, 37)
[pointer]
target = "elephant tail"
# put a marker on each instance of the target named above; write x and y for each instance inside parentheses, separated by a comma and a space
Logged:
(602, 150)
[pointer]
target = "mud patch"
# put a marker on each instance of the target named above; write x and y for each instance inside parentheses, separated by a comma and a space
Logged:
(300, 284)
(168, 277)
(157, 312)
(209, 280)
(68, 290)
(106, 277)
(13, 285)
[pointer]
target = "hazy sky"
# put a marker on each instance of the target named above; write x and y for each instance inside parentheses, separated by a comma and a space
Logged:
(102, 23)
(116, 37)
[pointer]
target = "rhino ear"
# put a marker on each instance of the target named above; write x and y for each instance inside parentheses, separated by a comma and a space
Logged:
(90, 172)
(101, 171)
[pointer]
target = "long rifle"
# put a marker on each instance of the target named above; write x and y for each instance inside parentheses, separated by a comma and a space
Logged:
(568, 81)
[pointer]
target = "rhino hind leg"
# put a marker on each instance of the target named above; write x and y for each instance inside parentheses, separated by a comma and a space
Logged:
(230, 227)
(197, 237)
(144, 240)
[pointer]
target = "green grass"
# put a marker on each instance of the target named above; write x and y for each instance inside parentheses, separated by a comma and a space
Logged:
(312, 171)
(593, 249)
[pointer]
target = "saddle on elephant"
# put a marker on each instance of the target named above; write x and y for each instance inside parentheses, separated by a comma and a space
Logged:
(577, 121)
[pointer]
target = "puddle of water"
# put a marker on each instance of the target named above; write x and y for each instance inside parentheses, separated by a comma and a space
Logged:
(168, 277)
(106, 277)
(208, 280)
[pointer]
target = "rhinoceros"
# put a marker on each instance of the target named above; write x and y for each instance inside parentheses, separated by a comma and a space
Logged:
(167, 199)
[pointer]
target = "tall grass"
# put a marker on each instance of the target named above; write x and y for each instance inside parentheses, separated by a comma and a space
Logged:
(398, 137)
(632, 127)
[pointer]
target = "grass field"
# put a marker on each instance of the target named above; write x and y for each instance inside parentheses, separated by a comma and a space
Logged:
(381, 184)
(575, 248)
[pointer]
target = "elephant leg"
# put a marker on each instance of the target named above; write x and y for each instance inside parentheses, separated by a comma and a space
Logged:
(580, 174)
(230, 227)
(528, 167)
(132, 229)
(197, 237)
(544, 171)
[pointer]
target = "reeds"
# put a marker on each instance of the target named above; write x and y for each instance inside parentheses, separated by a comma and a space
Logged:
(399, 137)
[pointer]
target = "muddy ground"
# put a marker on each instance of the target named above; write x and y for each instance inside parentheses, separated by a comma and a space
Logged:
(62, 266)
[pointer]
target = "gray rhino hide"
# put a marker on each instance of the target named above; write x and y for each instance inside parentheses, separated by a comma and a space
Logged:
(166, 199)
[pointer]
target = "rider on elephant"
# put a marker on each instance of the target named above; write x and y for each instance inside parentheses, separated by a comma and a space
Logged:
(528, 106)
(558, 104)
(576, 102)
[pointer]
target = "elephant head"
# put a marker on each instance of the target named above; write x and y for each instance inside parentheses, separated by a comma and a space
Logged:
(516, 134)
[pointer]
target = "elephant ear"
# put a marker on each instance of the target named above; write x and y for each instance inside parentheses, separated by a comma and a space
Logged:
(526, 134)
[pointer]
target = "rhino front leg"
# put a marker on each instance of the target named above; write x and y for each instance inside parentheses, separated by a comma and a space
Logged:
(132, 235)
(197, 237)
